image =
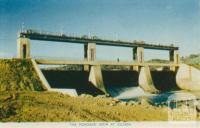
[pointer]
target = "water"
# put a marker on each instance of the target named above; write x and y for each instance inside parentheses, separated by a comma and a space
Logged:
(136, 93)
(126, 93)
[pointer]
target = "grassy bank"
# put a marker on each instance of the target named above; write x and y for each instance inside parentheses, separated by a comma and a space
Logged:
(49, 106)
(196, 66)
(18, 75)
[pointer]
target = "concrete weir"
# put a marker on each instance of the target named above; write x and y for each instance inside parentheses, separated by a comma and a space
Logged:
(157, 81)
(113, 82)
(74, 81)
(164, 80)
(118, 82)
(94, 82)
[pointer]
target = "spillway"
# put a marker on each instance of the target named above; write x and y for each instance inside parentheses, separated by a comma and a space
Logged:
(71, 80)
(119, 84)
(122, 84)
(164, 80)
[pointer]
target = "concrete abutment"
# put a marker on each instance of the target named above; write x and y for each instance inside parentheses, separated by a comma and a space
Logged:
(188, 78)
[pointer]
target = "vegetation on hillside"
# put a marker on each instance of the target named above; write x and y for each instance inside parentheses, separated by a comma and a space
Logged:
(18, 75)
(192, 59)
(196, 66)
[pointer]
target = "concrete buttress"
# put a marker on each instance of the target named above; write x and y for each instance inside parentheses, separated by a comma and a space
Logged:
(145, 80)
(96, 78)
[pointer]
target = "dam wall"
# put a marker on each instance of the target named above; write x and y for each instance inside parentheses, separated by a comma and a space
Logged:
(97, 81)
(114, 82)
(164, 80)
(77, 80)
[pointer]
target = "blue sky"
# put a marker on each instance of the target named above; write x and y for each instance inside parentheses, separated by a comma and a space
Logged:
(157, 21)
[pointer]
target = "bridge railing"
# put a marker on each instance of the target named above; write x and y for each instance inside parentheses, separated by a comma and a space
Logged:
(93, 37)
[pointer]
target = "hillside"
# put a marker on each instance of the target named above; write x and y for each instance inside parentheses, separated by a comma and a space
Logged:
(192, 59)
(18, 75)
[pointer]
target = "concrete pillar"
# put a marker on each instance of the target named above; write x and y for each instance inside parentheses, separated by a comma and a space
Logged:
(96, 78)
(174, 56)
(23, 48)
(171, 55)
(140, 54)
(89, 54)
(134, 53)
(145, 80)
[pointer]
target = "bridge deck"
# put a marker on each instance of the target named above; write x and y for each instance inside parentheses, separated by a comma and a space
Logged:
(82, 62)
(84, 40)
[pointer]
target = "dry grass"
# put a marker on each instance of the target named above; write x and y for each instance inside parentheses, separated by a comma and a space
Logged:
(16, 74)
(196, 66)
(49, 106)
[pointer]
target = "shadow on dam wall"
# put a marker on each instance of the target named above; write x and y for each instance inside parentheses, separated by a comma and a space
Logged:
(116, 82)
(164, 80)
(71, 80)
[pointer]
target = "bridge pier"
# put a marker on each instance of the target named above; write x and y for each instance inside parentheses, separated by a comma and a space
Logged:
(134, 53)
(174, 57)
(23, 48)
(89, 54)
(138, 56)
(96, 78)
